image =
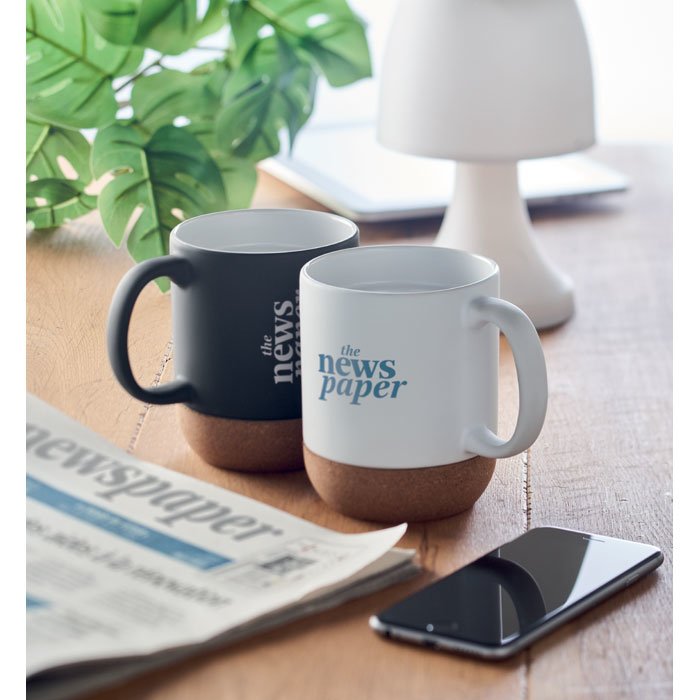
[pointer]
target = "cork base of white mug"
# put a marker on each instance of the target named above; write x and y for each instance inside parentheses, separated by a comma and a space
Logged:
(398, 495)
(243, 445)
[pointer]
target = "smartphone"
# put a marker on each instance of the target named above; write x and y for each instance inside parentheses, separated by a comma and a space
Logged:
(504, 601)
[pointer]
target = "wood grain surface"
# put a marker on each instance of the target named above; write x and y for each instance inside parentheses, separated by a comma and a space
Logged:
(602, 463)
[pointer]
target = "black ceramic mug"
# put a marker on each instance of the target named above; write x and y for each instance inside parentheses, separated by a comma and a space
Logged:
(235, 295)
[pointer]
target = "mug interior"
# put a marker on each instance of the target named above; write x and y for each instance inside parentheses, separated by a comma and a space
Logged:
(264, 230)
(399, 269)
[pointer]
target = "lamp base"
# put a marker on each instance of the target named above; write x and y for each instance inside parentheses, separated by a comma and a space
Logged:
(488, 216)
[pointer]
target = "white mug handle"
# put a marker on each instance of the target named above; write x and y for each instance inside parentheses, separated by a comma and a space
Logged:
(532, 381)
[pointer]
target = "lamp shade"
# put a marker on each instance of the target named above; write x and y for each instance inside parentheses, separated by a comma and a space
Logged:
(486, 80)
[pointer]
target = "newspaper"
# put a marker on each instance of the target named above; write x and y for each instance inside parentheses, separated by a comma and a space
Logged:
(131, 566)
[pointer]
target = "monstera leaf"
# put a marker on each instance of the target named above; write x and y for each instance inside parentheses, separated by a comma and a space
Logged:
(169, 26)
(46, 143)
(239, 174)
(69, 68)
(190, 141)
(214, 18)
(160, 98)
(246, 23)
(168, 173)
(272, 90)
(60, 200)
(328, 30)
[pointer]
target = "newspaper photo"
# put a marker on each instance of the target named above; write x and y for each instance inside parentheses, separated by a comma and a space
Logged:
(131, 565)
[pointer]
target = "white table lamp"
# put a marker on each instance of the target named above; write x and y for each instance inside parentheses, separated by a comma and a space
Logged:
(487, 83)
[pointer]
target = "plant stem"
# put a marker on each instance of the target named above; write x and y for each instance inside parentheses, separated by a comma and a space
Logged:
(139, 74)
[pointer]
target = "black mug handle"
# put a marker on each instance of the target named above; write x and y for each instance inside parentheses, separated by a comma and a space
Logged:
(179, 270)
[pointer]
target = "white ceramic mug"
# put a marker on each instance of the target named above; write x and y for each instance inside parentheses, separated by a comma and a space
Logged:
(399, 348)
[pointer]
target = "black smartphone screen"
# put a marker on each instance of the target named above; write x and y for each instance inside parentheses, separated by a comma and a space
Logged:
(519, 586)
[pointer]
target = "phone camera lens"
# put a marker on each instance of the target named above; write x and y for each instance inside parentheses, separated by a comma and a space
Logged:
(429, 627)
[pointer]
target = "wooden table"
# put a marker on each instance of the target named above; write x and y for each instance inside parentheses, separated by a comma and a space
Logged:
(602, 462)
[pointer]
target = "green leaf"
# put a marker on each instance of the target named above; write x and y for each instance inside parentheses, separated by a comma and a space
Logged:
(239, 174)
(46, 143)
(157, 99)
(245, 25)
(327, 29)
(64, 200)
(196, 96)
(340, 48)
(271, 57)
(214, 18)
(171, 171)
(240, 179)
(70, 68)
(272, 90)
(114, 20)
(169, 26)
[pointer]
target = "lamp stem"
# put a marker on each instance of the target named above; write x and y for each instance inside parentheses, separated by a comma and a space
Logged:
(488, 216)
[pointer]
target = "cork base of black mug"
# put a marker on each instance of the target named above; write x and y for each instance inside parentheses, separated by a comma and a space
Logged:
(398, 495)
(243, 445)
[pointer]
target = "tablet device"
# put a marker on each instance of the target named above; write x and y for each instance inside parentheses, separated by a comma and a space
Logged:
(343, 167)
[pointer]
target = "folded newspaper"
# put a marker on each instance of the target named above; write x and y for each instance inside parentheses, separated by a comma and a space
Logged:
(131, 566)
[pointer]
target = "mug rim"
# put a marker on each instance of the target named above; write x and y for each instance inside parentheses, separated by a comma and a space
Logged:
(353, 230)
(306, 274)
